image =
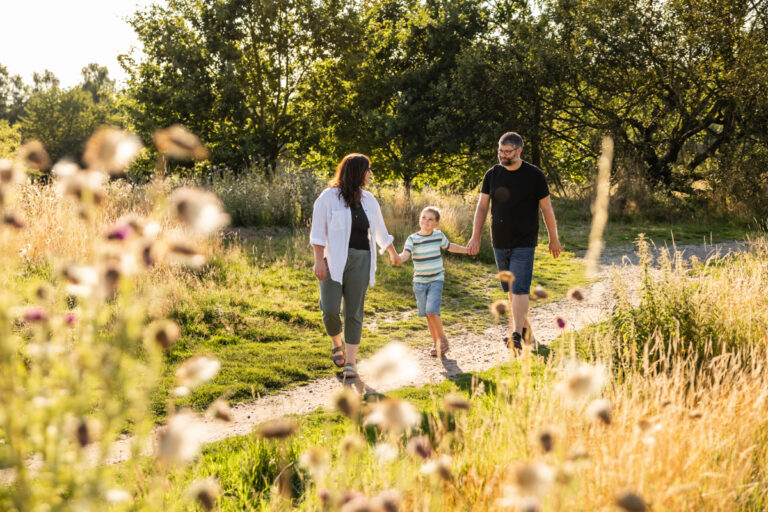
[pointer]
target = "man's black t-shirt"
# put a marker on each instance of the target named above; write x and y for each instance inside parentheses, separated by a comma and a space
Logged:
(515, 199)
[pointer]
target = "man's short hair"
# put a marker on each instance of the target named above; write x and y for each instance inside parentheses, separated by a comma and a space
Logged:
(433, 209)
(511, 139)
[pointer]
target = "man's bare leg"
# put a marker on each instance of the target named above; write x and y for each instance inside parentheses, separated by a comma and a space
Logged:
(520, 305)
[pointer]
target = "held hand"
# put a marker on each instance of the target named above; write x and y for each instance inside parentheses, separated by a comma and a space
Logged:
(555, 248)
(320, 270)
(395, 259)
(473, 247)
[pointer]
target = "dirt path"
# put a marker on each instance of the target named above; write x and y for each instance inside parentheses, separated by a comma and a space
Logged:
(468, 353)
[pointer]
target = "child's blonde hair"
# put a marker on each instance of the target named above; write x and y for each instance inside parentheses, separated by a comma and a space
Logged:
(433, 209)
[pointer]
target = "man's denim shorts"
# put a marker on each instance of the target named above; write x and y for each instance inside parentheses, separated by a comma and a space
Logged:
(519, 261)
(428, 297)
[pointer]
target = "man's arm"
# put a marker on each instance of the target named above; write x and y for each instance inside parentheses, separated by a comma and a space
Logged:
(548, 213)
(481, 212)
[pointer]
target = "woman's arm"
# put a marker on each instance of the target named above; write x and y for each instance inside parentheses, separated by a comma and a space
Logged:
(457, 248)
(383, 238)
(320, 269)
(318, 235)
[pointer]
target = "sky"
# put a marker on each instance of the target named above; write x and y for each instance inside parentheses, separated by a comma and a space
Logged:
(66, 35)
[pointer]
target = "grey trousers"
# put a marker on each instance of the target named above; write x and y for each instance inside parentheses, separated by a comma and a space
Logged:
(356, 275)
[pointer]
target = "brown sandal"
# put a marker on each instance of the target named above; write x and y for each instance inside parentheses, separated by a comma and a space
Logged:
(338, 357)
(444, 347)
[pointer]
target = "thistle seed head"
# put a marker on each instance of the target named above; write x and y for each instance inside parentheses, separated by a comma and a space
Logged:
(196, 370)
(205, 492)
(111, 150)
(576, 293)
(419, 446)
(600, 409)
(277, 429)
(500, 308)
(506, 276)
(455, 402)
(539, 292)
(630, 502)
(179, 143)
(14, 220)
(34, 155)
(347, 402)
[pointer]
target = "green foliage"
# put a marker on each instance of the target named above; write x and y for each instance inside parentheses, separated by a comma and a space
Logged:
(13, 94)
(10, 138)
(231, 71)
(63, 119)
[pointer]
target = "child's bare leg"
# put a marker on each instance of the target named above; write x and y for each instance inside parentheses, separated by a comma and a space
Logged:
(437, 326)
(431, 325)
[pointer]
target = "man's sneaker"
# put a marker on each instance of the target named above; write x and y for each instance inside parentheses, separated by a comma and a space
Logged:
(517, 341)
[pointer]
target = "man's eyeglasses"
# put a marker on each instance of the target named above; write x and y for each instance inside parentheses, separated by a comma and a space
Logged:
(507, 151)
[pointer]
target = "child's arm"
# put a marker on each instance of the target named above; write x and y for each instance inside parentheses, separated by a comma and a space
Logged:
(457, 248)
(404, 255)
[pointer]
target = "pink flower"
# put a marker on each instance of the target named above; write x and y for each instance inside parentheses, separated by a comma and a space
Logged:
(560, 322)
(70, 319)
(35, 314)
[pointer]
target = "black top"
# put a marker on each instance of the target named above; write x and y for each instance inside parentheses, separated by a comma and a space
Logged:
(358, 239)
(515, 199)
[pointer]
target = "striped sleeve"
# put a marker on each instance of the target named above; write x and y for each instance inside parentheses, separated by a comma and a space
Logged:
(444, 243)
(409, 244)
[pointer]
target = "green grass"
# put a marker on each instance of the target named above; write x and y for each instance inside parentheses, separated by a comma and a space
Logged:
(255, 309)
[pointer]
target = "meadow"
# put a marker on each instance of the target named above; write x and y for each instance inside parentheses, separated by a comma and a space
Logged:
(661, 406)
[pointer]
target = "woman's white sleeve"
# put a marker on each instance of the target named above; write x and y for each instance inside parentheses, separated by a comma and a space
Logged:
(319, 232)
(383, 238)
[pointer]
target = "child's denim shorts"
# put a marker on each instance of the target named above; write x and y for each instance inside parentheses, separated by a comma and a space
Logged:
(519, 261)
(428, 297)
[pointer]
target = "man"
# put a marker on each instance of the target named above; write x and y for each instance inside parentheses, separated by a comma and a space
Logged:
(515, 190)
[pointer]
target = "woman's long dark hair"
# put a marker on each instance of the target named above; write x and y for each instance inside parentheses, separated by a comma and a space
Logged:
(350, 176)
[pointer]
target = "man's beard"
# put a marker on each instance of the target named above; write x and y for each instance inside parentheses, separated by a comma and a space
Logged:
(505, 161)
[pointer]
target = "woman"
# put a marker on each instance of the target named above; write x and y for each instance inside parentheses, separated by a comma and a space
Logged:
(346, 221)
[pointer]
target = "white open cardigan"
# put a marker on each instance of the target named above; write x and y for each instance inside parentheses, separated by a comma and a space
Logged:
(332, 227)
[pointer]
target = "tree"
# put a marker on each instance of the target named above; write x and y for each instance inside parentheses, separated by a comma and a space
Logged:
(388, 91)
(672, 81)
(13, 94)
(63, 119)
(231, 71)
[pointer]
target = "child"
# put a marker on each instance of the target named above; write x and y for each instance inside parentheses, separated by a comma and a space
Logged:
(428, 273)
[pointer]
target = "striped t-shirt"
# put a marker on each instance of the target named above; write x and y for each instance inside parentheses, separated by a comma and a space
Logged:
(427, 259)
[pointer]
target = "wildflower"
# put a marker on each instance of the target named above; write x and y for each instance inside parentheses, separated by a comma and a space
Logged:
(560, 322)
(200, 210)
(179, 143)
(630, 502)
(393, 415)
(387, 501)
(120, 232)
(420, 446)
(546, 439)
(220, 410)
(165, 333)
(196, 370)
(277, 429)
(347, 402)
(205, 491)
(111, 150)
(582, 380)
(576, 293)
(180, 439)
(440, 466)
(600, 409)
(385, 452)
(114, 496)
(533, 479)
(14, 220)
(11, 173)
(316, 461)
(506, 276)
(111, 274)
(82, 279)
(455, 402)
(43, 291)
(70, 319)
(34, 155)
(391, 365)
(35, 314)
(539, 292)
(500, 308)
